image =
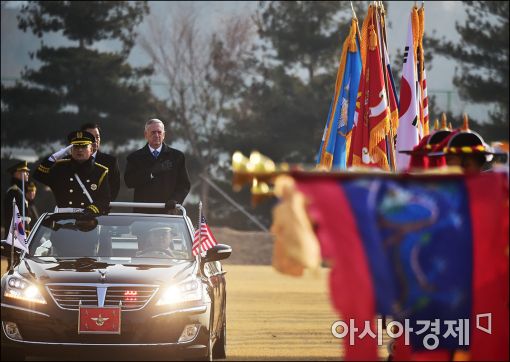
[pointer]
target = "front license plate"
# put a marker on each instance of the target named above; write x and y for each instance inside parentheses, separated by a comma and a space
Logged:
(96, 320)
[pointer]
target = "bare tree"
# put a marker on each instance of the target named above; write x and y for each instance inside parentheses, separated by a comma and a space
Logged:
(205, 70)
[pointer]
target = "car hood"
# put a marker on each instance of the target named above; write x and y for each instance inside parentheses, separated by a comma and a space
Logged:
(72, 271)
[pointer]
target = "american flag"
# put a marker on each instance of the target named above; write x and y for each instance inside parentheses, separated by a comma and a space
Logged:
(208, 240)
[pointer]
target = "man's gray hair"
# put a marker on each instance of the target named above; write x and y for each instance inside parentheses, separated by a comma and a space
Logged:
(152, 121)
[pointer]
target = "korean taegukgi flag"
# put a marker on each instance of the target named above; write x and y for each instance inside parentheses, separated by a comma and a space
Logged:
(20, 237)
(408, 131)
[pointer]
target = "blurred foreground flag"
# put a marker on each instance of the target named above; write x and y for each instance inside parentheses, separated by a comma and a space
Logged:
(417, 248)
(333, 149)
(204, 235)
(19, 237)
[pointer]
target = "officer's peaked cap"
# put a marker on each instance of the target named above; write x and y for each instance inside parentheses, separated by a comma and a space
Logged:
(18, 166)
(81, 138)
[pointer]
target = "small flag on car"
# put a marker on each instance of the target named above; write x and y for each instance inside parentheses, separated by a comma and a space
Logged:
(207, 238)
(19, 238)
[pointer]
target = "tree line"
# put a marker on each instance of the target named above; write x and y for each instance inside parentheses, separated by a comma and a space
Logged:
(259, 81)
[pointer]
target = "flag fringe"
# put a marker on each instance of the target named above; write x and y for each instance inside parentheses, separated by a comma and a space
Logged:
(378, 133)
(327, 160)
(394, 119)
(356, 161)
(381, 159)
(364, 37)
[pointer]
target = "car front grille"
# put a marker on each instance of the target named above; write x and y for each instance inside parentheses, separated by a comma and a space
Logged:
(132, 297)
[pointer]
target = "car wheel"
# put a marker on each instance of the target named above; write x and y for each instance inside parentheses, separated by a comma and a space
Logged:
(12, 354)
(220, 347)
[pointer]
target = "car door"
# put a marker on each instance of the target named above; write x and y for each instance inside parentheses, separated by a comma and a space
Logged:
(214, 278)
(222, 291)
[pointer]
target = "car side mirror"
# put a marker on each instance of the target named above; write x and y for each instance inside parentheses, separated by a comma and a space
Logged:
(218, 252)
(5, 249)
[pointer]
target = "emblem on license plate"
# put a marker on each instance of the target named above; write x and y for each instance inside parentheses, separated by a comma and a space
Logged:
(99, 320)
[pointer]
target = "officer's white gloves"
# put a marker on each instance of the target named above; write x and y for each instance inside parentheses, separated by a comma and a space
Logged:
(60, 153)
(27, 219)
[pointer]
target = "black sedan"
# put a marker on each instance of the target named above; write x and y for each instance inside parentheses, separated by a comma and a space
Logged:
(118, 283)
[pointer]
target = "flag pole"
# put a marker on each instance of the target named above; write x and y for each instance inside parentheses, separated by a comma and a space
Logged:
(200, 229)
(23, 201)
(353, 12)
(11, 269)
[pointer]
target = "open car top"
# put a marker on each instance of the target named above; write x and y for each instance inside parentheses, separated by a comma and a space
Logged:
(113, 236)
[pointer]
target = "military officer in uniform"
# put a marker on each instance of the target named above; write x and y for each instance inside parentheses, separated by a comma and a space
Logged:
(18, 171)
(79, 182)
(33, 212)
(104, 159)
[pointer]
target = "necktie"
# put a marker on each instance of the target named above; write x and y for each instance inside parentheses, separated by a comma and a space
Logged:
(155, 153)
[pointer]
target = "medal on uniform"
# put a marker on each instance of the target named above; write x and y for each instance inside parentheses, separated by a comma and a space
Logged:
(93, 187)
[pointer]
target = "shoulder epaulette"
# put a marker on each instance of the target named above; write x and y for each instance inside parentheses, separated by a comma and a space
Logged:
(14, 188)
(102, 176)
(106, 168)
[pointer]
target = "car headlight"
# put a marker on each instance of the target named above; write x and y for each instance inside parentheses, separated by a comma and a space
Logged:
(187, 291)
(17, 287)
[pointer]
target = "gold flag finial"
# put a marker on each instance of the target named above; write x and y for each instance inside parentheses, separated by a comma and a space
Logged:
(465, 123)
(443, 121)
(436, 124)
(450, 126)
(239, 168)
(259, 191)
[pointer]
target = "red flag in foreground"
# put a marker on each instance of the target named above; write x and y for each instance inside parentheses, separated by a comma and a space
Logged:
(208, 240)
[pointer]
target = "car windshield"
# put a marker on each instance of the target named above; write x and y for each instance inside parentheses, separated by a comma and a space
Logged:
(112, 236)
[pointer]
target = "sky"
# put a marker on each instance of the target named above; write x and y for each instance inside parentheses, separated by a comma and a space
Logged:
(440, 17)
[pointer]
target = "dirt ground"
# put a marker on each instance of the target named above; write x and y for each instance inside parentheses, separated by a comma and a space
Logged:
(248, 247)
(275, 317)
(272, 317)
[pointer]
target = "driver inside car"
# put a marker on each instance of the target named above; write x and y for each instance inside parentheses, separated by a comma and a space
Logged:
(156, 241)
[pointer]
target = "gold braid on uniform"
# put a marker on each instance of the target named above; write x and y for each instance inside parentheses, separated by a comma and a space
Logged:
(43, 169)
(93, 208)
(103, 175)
